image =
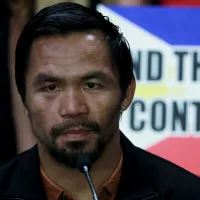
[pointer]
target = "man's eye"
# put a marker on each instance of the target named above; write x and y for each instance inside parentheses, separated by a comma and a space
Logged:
(92, 86)
(51, 88)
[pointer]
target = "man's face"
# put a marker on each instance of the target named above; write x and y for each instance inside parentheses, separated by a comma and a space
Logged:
(73, 95)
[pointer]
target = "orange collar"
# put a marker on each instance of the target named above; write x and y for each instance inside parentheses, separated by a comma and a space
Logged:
(107, 191)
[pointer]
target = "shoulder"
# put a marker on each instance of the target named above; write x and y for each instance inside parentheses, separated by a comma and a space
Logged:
(11, 163)
(10, 168)
(160, 166)
(166, 176)
(163, 176)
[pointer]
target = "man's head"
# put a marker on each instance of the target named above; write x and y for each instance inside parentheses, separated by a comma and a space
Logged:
(74, 73)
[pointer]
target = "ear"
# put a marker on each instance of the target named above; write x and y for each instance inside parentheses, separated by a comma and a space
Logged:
(26, 109)
(128, 97)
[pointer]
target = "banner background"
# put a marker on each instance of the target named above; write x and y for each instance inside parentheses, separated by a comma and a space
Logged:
(164, 117)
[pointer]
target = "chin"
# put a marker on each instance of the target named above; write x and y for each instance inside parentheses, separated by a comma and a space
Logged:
(68, 155)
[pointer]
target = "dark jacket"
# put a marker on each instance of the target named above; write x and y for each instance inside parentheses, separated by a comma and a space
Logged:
(144, 177)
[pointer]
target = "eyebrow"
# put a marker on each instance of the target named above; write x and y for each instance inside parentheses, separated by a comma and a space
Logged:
(98, 75)
(41, 77)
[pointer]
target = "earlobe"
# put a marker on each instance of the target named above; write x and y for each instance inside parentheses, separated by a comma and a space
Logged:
(26, 109)
(128, 95)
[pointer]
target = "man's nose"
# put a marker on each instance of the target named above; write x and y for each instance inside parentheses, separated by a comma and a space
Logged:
(73, 103)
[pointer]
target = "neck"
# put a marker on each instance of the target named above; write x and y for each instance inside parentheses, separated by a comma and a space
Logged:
(75, 182)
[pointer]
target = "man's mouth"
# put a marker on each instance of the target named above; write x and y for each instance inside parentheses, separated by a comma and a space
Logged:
(77, 134)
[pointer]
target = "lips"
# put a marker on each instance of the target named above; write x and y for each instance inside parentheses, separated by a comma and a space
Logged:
(77, 134)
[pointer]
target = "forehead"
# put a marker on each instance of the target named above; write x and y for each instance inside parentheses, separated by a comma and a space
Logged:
(71, 50)
(78, 43)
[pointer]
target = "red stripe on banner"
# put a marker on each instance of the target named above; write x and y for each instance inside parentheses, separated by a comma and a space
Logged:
(184, 152)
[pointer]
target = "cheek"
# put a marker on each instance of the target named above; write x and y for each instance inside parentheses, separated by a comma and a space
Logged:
(38, 120)
(42, 113)
(107, 107)
(107, 115)
(39, 104)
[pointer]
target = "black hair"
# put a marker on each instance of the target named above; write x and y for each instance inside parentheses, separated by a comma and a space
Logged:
(62, 19)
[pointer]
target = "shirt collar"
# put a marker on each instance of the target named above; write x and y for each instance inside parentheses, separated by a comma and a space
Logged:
(54, 192)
